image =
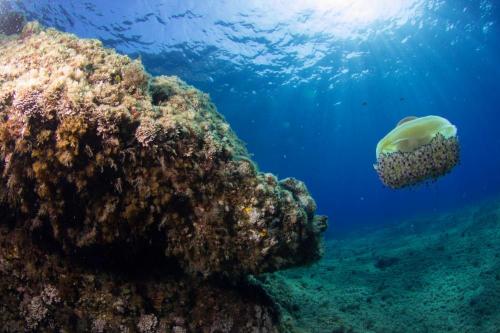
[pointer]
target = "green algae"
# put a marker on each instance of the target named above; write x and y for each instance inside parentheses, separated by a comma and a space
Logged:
(436, 273)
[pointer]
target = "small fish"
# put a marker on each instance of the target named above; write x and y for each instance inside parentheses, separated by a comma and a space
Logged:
(365, 103)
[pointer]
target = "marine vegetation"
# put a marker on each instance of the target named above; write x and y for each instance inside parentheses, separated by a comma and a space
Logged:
(417, 150)
(111, 166)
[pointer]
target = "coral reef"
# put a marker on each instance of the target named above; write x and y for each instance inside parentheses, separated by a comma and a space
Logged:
(437, 273)
(417, 150)
(111, 167)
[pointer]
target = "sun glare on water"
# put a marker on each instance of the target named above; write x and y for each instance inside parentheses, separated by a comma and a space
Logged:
(367, 12)
(346, 18)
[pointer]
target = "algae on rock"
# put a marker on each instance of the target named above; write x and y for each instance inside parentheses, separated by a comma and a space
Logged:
(104, 156)
(42, 291)
(112, 175)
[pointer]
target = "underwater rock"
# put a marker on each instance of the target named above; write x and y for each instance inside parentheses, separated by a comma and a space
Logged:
(11, 22)
(108, 160)
(417, 150)
(43, 291)
(127, 204)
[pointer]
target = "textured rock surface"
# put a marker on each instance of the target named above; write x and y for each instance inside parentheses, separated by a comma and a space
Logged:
(44, 291)
(106, 158)
(128, 204)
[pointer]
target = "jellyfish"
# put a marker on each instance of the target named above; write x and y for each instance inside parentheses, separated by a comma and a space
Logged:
(417, 150)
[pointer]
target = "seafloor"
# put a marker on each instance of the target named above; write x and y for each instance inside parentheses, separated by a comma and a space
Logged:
(436, 273)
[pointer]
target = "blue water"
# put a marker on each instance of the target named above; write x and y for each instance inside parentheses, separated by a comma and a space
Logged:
(311, 86)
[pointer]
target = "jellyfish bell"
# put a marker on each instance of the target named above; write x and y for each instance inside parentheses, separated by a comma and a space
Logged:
(417, 150)
(412, 132)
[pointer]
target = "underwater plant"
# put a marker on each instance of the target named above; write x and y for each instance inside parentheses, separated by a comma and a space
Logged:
(417, 150)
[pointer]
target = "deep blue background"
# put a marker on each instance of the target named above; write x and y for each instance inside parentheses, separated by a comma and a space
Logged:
(313, 104)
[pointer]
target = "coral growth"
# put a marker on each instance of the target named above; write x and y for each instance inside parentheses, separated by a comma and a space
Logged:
(128, 203)
(104, 156)
(42, 291)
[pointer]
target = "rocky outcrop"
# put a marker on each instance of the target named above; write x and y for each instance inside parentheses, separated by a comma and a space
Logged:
(111, 167)
(43, 290)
